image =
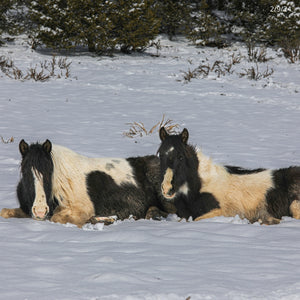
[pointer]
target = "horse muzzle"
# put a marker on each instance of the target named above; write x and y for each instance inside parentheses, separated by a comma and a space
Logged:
(40, 213)
(168, 193)
(167, 188)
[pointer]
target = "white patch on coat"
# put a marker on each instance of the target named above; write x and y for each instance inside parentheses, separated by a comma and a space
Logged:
(237, 194)
(69, 177)
(170, 150)
(40, 208)
(166, 185)
(184, 189)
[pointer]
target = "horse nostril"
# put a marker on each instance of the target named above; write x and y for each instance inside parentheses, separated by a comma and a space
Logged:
(170, 192)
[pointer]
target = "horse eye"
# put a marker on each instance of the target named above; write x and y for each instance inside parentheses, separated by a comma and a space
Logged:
(181, 158)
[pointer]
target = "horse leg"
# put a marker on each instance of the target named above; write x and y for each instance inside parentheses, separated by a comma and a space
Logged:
(155, 213)
(268, 221)
(65, 215)
(217, 212)
(13, 213)
(106, 220)
(294, 193)
(264, 218)
(295, 209)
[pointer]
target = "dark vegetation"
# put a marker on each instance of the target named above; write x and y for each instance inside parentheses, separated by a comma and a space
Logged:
(106, 26)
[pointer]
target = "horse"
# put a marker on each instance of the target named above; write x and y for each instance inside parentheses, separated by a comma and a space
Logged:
(188, 177)
(182, 189)
(66, 187)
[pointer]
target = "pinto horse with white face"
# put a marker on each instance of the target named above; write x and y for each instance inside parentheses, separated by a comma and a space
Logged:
(190, 178)
(65, 187)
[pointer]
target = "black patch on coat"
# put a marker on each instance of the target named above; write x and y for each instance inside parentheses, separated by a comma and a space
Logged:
(126, 199)
(195, 205)
(241, 171)
(286, 189)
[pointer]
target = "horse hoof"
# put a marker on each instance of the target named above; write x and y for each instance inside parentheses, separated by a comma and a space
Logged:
(269, 221)
(155, 213)
(106, 220)
(5, 213)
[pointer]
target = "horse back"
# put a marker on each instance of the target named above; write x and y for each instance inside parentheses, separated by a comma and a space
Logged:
(125, 199)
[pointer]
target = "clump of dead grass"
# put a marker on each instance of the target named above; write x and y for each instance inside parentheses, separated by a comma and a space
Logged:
(138, 129)
(7, 141)
(44, 71)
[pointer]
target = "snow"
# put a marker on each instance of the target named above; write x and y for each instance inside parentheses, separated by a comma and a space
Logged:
(234, 120)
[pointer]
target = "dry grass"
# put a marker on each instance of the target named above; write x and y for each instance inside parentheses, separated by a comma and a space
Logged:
(256, 54)
(138, 129)
(55, 68)
(291, 51)
(218, 67)
(254, 73)
(7, 141)
(221, 68)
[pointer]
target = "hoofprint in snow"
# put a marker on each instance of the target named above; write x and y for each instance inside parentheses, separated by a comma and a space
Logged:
(234, 120)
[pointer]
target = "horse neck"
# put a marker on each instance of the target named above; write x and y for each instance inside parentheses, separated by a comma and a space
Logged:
(146, 168)
(62, 171)
(192, 172)
(208, 170)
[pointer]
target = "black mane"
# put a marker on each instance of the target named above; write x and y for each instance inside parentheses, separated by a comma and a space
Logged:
(36, 157)
(242, 171)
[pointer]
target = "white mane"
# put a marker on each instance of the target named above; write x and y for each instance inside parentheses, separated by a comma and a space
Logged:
(208, 170)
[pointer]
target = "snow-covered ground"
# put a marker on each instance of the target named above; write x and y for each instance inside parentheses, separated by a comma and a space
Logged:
(235, 120)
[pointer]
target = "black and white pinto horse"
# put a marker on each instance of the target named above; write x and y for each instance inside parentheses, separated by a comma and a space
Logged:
(202, 189)
(66, 187)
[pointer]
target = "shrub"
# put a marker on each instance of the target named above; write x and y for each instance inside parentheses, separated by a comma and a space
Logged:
(204, 28)
(13, 16)
(134, 24)
(4, 7)
(101, 26)
(175, 16)
(283, 28)
(64, 24)
(251, 16)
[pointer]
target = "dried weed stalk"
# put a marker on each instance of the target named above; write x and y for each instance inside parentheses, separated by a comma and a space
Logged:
(7, 141)
(55, 68)
(138, 129)
(291, 51)
(203, 70)
(254, 73)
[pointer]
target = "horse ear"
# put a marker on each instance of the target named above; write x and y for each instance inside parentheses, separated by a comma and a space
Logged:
(184, 135)
(47, 146)
(23, 147)
(163, 133)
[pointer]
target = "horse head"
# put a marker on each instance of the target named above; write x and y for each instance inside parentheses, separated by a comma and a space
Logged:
(176, 162)
(35, 188)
